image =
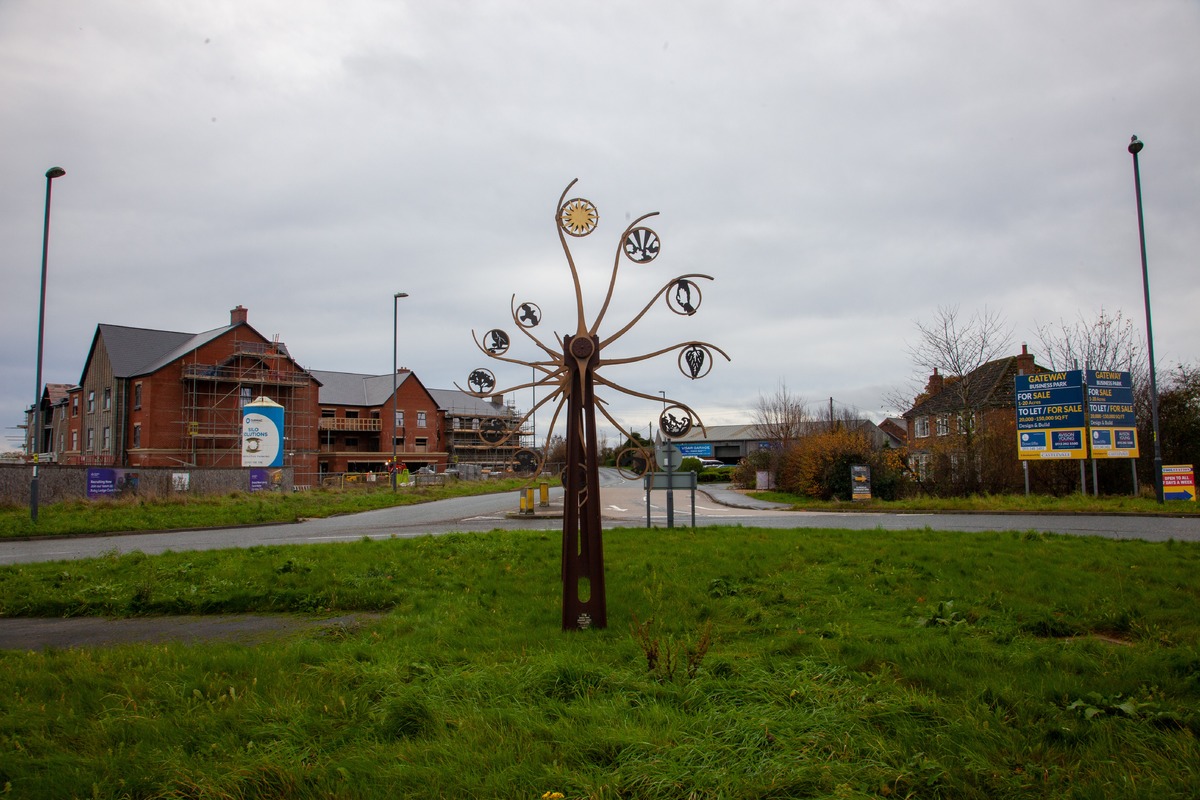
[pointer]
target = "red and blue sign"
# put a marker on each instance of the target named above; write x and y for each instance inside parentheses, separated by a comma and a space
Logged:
(1179, 482)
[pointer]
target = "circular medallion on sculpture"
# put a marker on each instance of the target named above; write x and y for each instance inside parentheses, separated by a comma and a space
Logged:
(578, 217)
(525, 463)
(675, 421)
(633, 462)
(641, 245)
(481, 381)
(684, 297)
(529, 315)
(497, 342)
(695, 361)
(493, 431)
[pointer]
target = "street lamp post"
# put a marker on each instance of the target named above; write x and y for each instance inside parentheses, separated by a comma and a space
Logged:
(395, 384)
(51, 174)
(1135, 147)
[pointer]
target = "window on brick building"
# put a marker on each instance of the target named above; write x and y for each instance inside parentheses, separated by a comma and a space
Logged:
(420, 419)
(922, 427)
(91, 401)
(106, 439)
(943, 424)
(137, 395)
(107, 398)
(137, 435)
(75, 406)
(91, 440)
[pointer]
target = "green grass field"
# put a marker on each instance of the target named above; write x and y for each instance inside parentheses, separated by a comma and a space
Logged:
(739, 663)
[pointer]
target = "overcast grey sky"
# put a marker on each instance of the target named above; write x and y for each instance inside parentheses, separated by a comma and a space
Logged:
(840, 169)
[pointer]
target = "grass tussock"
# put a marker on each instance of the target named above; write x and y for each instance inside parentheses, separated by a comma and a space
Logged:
(805, 664)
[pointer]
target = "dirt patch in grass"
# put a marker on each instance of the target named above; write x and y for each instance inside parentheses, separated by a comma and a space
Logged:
(24, 633)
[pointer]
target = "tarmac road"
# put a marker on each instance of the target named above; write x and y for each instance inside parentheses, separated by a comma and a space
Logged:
(624, 504)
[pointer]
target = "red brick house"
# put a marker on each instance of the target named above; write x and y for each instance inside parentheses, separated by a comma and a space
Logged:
(956, 411)
(151, 398)
(357, 427)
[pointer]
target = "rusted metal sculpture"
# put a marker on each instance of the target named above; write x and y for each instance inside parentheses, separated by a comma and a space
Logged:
(571, 371)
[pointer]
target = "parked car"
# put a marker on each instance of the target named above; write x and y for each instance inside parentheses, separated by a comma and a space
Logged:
(711, 463)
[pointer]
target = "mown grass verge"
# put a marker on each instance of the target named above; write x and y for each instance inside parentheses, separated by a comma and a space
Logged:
(235, 508)
(993, 503)
(838, 664)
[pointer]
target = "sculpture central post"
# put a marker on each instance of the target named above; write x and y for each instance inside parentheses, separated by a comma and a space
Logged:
(584, 604)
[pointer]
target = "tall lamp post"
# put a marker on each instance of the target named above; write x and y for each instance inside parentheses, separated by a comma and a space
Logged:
(395, 384)
(1135, 147)
(51, 174)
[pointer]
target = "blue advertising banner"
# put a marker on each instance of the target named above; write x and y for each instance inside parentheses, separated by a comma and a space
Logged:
(1112, 425)
(697, 450)
(1050, 415)
(262, 434)
(110, 482)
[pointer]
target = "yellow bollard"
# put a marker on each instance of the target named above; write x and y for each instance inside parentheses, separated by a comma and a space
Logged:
(544, 489)
(521, 495)
(529, 500)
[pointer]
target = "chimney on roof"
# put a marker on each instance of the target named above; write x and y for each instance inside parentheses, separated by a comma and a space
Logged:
(936, 384)
(402, 370)
(1025, 361)
(237, 316)
(498, 399)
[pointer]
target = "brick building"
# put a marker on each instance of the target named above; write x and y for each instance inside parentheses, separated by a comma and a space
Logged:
(953, 406)
(151, 398)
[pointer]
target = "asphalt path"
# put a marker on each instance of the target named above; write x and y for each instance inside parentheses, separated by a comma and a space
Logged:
(624, 504)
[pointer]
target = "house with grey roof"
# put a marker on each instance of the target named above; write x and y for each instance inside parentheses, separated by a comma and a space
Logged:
(366, 420)
(157, 398)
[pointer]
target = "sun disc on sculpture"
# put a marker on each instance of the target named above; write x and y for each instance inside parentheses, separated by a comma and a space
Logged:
(578, 217)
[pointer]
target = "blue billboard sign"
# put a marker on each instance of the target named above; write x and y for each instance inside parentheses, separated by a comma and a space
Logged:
(1050, 415)
(1112, 424)
(697, 450)
(262, 434)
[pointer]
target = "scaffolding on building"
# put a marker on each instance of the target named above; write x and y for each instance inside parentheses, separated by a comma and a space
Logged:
(466, 446)
(215, 393)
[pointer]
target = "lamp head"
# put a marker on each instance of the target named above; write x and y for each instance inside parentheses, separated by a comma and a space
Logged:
(398, 295)
(55, 172)
(1135, 146)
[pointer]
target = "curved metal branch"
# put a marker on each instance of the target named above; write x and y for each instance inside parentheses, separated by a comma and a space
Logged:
(616, 424)
(562, 238)
(612, 281)
(543, 366)
(655, 398)
(605, 362)
(653, 300)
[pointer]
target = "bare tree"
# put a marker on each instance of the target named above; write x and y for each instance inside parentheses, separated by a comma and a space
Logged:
(1109, 342)
(781, 418)
(956, 347)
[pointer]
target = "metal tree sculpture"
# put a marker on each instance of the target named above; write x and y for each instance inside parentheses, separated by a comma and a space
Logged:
(571, 372)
